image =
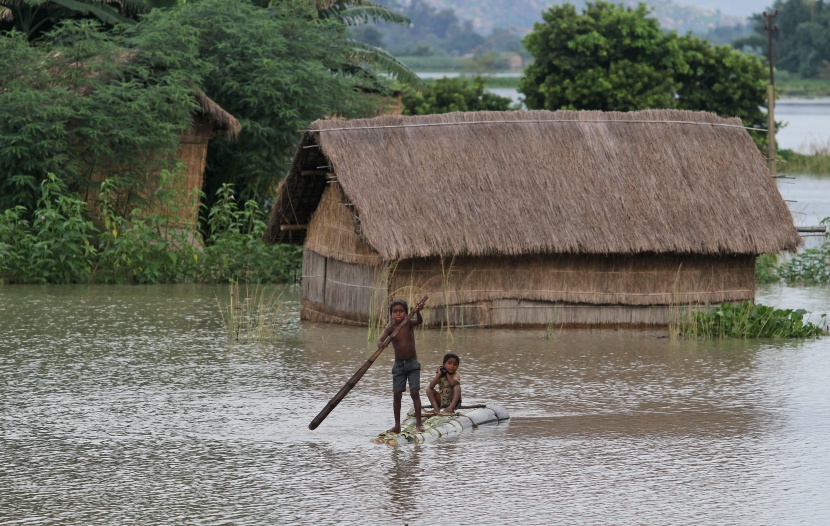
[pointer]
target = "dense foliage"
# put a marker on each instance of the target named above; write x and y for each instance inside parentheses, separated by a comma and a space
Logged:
(614, 58)
(453, 94)
(59, 245)
(275, 69)
(802, 41)
(82, 102)
(34, 18)
(749, 320)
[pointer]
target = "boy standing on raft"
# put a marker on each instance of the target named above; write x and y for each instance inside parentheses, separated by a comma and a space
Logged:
(406, 368)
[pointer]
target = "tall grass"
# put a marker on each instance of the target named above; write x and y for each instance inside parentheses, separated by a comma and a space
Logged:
(817, 161)
(252, 315)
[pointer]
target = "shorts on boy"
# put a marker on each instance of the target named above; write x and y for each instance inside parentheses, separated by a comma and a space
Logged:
(406, 371)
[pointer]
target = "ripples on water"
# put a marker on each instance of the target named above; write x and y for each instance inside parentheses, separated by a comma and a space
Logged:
(125, 405)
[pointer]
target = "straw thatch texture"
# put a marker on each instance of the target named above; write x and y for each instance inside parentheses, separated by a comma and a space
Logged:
(539, 182)
(332, 231)
(217, 118)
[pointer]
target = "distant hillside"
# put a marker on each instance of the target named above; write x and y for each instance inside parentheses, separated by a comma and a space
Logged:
(522, 14)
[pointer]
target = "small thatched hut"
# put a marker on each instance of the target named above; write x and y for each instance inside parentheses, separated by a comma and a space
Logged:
(529, 218)
(209, 121)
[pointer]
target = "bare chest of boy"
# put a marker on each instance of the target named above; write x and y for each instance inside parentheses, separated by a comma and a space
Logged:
(404, 344)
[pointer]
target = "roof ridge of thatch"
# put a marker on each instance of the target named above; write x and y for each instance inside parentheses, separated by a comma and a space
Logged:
(218, 116)
(660, 116)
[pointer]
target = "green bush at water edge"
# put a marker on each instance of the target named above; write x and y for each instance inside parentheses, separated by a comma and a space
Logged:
(56, 243)
(747, 320)
(808, 267)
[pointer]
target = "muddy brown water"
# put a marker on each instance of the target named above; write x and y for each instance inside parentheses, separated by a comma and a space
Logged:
(128, 405)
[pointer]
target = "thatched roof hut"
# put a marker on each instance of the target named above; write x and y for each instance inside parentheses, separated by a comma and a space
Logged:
(209, 121)
(575, 218)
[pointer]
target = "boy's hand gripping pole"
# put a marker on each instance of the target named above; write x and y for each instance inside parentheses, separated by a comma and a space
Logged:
(365, 367)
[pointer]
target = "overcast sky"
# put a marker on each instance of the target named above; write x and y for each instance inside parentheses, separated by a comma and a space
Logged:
(742, 8)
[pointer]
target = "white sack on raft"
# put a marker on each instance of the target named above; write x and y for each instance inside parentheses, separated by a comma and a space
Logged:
(437, 426)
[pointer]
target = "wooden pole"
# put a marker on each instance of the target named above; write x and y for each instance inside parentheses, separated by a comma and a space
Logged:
(771, 28)
(771, 127)
(360, 372)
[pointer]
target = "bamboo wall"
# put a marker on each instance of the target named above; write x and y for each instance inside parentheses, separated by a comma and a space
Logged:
(533, 291)
(560, 291)
(340, 292)
(192, 152)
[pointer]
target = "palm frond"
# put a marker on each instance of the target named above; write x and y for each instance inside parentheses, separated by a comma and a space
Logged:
(384, 61)
(99, 10)
(353, 12)
(353, 16)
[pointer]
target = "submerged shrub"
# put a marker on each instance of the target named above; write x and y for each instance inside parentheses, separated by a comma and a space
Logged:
(766, 269)
(748, 320)
(234, 250)
(49, 245)
(811, 266)
(56, 243)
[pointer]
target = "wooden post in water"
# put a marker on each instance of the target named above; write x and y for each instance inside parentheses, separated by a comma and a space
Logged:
(771, 28)
(771, 127)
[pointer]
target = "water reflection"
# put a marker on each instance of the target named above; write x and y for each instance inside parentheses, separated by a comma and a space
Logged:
(129, 405)
(404, 480)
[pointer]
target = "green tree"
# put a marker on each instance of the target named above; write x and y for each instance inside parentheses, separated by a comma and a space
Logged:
(453, 94)
(614, 58)
(802, 42)
(34, 18)
(608, 58)
(83, 102)
(720, 80)
(275, 69)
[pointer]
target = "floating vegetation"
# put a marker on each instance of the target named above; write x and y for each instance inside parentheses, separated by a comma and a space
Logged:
(746, 320)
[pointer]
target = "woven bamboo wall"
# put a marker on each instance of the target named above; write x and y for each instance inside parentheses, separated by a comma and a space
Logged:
(626, 280)
(528, 313)
(571, 290)
(343, 292)
(192, 152)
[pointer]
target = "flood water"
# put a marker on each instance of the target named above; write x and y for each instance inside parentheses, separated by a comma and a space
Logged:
(128, 405)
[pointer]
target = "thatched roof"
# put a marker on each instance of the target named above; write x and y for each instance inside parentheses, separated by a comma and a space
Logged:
(218, 118)
(506, 183)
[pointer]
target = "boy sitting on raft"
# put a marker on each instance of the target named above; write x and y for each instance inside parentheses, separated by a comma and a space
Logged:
(448, 381)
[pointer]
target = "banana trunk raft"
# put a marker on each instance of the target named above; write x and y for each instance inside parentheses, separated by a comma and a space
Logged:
(443, 424)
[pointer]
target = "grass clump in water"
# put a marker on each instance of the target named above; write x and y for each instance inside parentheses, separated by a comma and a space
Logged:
(817, 161)
(255, 317)
(747, 320)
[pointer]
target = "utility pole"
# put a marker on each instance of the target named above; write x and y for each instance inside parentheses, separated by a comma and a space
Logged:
(771, 28)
